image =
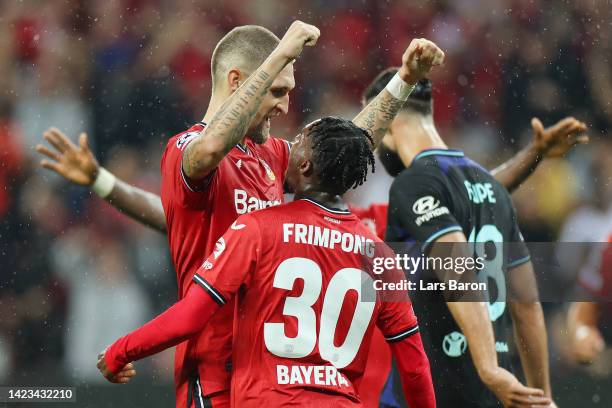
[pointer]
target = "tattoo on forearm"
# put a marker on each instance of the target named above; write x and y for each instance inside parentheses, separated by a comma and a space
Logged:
(231, 121)
(378, 115)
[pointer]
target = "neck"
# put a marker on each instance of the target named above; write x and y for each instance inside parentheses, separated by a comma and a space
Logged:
(415, 134)
(323, 197)
(216, 102)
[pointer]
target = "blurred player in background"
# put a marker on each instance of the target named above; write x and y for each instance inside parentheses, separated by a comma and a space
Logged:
(297, 292)
(440, 196)
(213, 173)
(590, 323)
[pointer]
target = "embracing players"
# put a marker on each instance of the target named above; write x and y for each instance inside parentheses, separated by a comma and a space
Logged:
(303, 327)
(228, 166)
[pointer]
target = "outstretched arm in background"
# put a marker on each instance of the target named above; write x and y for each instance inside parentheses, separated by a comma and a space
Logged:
(418, 60)
(78, 165)
(554, 141)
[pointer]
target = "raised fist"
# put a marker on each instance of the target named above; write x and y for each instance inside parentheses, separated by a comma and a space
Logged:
(418, 59)
(296, 38)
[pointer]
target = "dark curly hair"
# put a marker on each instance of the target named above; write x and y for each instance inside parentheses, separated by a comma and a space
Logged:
(341, 153)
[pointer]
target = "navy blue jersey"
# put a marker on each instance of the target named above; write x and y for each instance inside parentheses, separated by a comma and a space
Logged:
(441, 192)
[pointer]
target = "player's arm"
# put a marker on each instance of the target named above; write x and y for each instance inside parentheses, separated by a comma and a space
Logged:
(229, 124)
(472, 317)
(180, 322)
(529, 326)
(413, 367)
(212, 289)
(583, 330)
(78, 165)
(554, 141)
(418, 59)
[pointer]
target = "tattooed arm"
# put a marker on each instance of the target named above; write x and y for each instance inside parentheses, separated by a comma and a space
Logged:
(230, 123)
(418, 59)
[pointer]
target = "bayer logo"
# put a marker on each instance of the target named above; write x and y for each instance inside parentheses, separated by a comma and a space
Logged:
(424, 205)
(454, 344)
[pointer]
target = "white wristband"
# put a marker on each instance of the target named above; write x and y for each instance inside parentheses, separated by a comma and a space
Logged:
(399, 88)
(104, 184)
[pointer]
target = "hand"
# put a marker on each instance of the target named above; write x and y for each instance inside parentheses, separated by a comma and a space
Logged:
(76, 164)
(297, 36)
(418, 59)
(512, 393)
(588, 343)
(557, 140)
(122, 377)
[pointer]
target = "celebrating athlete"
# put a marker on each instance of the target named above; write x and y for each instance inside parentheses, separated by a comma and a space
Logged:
(227, 166)
(297, 271)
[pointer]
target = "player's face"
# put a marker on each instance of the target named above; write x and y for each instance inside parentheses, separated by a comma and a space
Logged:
(300, 165)
(276, 102)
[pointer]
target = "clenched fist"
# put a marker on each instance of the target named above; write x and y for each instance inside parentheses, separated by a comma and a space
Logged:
(418, 60)
(296, 38)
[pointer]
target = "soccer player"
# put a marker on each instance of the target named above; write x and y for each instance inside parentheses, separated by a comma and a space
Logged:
(440, 197)
(302, 329)
(227, 166)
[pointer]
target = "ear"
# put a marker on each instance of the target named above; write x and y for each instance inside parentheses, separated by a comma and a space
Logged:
(233, 79)
(306, 168)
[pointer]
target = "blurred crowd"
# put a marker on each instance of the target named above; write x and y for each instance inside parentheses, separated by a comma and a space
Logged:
(74, 273)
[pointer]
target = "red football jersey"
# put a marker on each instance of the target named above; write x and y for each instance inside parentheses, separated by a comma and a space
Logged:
(374, 216)
(249, 178)
(301, 335)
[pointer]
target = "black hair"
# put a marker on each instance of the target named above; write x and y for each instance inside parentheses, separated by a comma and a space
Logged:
(390, 160)
(341, 153)
(419, 100)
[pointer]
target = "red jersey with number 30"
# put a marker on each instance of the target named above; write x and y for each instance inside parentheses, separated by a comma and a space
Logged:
(302, 335)
(249, 178)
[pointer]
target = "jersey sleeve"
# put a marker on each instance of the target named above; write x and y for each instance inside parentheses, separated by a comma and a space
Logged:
(188, 193)
(418, 202)
(233, 261)
(397, 321)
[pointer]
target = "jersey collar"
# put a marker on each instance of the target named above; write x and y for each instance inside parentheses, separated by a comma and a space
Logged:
(243, 148)
(326, 208)
(439, 152)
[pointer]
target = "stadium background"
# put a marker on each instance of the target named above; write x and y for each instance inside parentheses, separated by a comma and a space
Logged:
(75, 274)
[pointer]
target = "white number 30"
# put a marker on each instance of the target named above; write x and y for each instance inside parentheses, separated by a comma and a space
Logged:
(300, 307)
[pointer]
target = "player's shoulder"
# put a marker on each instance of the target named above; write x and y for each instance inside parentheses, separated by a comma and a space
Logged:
(422, 173)
(182, 139)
